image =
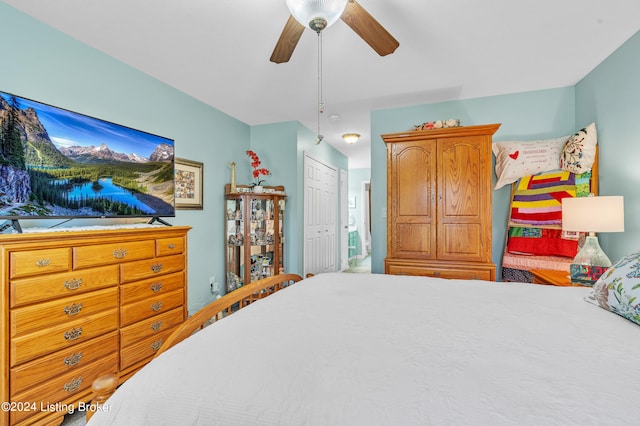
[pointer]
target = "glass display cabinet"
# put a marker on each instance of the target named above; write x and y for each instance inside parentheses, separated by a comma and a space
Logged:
(254, 232)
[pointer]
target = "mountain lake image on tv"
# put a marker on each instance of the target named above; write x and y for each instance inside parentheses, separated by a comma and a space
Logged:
(58, 163)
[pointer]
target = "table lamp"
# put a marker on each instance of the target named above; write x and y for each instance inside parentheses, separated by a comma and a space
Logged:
(592, 214)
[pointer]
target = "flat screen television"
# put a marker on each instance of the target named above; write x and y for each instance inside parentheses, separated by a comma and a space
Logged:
(56, 163)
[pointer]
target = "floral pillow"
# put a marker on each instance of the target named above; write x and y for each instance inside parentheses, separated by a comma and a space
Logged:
(579, 152)
(618, 289)
(517, 159)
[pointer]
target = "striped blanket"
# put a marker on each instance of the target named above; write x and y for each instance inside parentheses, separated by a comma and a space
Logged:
(536, 213)
(537, 199)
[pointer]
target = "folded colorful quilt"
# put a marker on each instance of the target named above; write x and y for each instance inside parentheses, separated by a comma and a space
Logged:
(537, 199)
(539, 241)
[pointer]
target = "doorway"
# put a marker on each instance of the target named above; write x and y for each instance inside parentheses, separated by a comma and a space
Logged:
(359, 226)
(365, 219)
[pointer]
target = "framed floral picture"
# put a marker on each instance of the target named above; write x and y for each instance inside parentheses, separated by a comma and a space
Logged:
(188, 184)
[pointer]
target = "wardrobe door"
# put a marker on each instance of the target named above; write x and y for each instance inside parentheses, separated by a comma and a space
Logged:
(411, 184)
(464, 185)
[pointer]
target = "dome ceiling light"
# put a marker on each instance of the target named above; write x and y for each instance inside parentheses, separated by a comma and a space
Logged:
(351, 138)
(316, 14)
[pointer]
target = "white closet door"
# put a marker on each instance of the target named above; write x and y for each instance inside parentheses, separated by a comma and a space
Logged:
(330, 219)
(320, 217)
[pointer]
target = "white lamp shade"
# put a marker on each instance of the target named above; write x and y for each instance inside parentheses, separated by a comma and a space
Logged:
(306, 10)
(593, 214)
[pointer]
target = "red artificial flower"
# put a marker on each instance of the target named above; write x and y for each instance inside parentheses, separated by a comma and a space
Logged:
(255, 163)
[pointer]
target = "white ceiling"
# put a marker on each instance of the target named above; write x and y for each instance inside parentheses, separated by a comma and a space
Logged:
(218, 52)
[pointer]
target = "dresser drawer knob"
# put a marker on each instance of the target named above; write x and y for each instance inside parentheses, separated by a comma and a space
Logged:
(156, 287)
(73, 309)
(156, 306)
(156, 325)
(73, 284)
(156, 267)
(73, 359)
(72, 334)
(156, 345)
(43, 262)
(172, 246)
(73, 385)
(120, 253)
(436, 274)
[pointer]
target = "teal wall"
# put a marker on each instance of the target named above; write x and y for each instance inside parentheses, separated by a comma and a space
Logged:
(524, 116)
(44, 64)
(610, 97)
(281, 147)
(326, 154)
(276, 146)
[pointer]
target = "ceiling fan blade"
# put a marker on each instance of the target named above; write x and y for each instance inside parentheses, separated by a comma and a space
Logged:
(369, 29)
(287, 42)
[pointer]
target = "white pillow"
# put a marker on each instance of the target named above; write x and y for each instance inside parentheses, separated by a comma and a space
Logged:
(516, 159)
(618, 289)
(579, 152)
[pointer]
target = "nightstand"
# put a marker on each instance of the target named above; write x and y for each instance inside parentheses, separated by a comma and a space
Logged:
(549, 277)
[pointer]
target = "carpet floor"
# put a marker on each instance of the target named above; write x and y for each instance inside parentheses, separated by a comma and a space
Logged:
(76, 419)
(360, 266)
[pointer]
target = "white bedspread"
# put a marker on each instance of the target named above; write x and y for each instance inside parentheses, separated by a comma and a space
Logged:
(360, 349)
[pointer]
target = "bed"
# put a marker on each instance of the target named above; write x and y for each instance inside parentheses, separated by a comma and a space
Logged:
(374, 349)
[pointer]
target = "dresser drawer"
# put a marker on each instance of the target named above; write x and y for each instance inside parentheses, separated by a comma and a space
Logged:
(150, 327)
(461, 274)
(169, 246)
(28, 347)
(144, 309)
(30, 290)
(65, 386)
(38, 262)
(105, 254)
(134, 271)
(43, 369)
(150, 288)
(36, 317)
(142, 350)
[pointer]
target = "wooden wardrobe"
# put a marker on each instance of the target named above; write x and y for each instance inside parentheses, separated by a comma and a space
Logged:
(439, 202)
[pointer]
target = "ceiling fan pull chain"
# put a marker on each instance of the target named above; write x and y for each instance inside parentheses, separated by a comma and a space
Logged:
(319, 137)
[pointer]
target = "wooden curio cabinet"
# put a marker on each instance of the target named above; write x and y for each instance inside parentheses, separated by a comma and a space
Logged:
(439, 202)
(254, 234)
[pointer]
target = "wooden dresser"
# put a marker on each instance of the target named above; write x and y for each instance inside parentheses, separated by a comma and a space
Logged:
(80, 304)
(439, 202)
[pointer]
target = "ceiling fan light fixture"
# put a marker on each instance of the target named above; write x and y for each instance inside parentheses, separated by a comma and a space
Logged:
(316, 14)
(351, 138)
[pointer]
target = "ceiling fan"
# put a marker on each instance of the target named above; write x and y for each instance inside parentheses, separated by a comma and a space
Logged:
(354, 15)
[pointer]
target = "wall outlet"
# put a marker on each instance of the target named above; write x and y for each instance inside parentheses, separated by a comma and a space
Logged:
(215, 287)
